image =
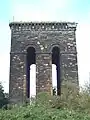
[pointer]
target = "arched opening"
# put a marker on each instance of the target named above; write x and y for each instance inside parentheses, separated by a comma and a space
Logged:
(31, 61)
(32, 80)
(56, 62)
(54, 79)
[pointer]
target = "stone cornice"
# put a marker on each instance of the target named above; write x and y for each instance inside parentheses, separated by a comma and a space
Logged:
(18, 26)
(62, 52)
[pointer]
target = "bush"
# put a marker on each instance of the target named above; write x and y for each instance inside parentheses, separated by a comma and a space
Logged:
(71, 105)
(3, 98)
(42, 112)
(70, 99)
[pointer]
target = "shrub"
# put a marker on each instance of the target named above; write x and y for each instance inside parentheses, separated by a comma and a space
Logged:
(3, 98)
(71, 105)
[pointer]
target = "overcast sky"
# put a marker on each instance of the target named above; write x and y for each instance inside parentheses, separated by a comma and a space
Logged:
(46, 10)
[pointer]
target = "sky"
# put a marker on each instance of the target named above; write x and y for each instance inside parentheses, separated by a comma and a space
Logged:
(46, 10)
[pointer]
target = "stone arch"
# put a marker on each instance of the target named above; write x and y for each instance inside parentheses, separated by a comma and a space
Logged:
(37, 48)
(50, 47)
(30, 46)
(59, 45)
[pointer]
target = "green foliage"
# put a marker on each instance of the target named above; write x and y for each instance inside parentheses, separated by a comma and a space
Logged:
(3, 98)
(71, 105)
(41, 112)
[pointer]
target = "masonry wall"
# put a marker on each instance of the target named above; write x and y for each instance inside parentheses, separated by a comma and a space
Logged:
(43, 37)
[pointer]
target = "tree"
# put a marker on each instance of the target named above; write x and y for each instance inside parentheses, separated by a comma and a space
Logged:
(3, 98)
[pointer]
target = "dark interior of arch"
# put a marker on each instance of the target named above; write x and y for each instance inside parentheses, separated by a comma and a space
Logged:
(31, 59)
(56, 61)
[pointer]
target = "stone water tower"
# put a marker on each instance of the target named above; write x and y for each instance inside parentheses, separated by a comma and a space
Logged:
(43, 44)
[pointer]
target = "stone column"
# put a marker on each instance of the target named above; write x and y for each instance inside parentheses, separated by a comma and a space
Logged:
(69, 68)
(43, 73)
(24, 79)
(17, 77)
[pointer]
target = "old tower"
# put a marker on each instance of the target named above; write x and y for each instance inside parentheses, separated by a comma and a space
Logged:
(43, 44)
